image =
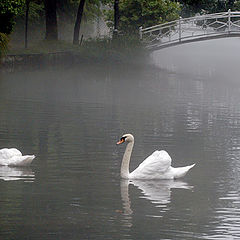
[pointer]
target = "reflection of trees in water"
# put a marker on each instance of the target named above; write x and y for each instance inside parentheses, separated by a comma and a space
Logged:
(52, 111)
(68, 109)
(80, 115)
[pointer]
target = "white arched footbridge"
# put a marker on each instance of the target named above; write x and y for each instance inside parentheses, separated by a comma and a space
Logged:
(185, 30)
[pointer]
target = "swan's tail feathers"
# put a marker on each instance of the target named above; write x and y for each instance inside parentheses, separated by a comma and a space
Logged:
(182, 171)
(22, 160)
(28, 160)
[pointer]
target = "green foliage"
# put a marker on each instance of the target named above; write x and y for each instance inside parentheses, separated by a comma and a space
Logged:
(36, 10)
(3, 44)
(36, 13)
(9, 9)
(236, 6)
(11, 6)
(191, 7)
(126, 48)
(92, 9)
(136, 13)
(68, 9)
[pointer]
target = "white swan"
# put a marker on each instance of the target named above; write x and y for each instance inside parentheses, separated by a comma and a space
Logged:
(13, 157)
(156, 166)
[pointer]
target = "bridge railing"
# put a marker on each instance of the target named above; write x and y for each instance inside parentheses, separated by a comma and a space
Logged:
(190, 29)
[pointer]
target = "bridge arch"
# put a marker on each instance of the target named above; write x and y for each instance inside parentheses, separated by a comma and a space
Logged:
(193, 29)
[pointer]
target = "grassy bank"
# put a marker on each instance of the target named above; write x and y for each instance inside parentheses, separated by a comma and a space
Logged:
(123, 49)
(47, 54)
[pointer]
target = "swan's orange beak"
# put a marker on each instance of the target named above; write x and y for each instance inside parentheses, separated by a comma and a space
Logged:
(121, 141)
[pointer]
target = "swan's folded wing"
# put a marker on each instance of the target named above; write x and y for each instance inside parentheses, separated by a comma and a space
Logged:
(158, 162)
(7, 153)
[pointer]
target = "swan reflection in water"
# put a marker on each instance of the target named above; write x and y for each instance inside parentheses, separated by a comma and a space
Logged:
(158, 192)
(16, 173)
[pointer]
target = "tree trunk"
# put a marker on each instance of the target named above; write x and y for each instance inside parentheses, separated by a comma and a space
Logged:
(116, 18)
(78, 22)
(51, 20)
(116, 14)
(26, 23)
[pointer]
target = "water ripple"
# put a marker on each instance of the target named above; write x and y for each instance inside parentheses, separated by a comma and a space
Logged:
(16, 173)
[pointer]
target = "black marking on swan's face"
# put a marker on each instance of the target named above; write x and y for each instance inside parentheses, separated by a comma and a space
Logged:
(122, 140)
(126, 138)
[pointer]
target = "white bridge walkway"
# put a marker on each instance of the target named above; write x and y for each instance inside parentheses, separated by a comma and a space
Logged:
(185, 30)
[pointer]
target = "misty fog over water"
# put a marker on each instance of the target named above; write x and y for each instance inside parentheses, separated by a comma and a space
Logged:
(71, 120)
(214, 59)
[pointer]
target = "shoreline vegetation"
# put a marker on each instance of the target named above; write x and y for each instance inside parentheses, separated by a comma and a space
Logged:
(53, 54)
(68, 20)
(120, 21)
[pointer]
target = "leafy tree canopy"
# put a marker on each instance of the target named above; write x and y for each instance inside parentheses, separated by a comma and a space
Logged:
(137, 13)
(191, 7)
(8, 10)
(236, 6)
(11, 6)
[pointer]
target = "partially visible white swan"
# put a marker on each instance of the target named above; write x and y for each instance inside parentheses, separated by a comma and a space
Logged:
(156, 166)
(13, 157)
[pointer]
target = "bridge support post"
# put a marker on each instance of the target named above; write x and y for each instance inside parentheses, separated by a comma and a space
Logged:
(179, 30)
(229, 21)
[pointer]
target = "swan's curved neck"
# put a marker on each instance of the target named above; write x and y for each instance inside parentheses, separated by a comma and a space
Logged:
(126, 160)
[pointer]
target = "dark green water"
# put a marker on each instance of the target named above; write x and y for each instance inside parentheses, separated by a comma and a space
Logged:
(71, 120)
